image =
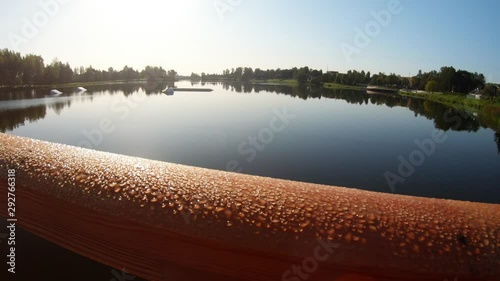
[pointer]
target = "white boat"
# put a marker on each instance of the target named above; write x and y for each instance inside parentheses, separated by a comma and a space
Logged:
(81, 90)
(55, 93)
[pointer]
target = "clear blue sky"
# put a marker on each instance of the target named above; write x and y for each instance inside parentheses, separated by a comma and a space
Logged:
(191, 36)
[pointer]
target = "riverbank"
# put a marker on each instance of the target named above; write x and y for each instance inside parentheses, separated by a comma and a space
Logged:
(286, 82)
(73, 84)
(458, 102)
(294, 83)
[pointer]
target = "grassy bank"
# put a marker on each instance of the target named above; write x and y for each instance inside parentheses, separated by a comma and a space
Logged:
(459, 102)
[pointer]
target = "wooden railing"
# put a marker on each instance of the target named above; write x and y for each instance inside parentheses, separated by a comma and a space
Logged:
(164, 221)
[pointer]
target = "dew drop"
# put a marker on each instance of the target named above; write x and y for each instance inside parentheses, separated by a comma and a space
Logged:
(348, 237)
(416, 248)
(228, 213)
(447, 248)
(305, 224)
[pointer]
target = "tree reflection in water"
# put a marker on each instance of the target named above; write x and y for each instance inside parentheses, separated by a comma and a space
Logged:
(444, 118)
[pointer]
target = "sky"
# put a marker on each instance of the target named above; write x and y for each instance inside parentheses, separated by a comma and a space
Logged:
(391, 36)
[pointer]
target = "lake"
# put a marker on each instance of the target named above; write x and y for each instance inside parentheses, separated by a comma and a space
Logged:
(335, 137)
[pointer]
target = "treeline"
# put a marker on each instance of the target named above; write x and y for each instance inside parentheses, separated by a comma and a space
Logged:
(306, 75)
(447, 79)
(303, 74)
(30, 70)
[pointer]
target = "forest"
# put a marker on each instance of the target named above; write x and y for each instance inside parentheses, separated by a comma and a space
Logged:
(447, 79)
(31, 70)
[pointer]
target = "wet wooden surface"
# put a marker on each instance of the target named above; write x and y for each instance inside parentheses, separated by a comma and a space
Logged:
(164, 221)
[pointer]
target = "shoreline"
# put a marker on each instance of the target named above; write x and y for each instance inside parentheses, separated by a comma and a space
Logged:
(454, 101)
(457, 102)
(72, 84)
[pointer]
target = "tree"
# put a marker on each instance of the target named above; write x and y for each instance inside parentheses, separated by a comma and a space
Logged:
(302, 75)
(260, 74)
(32, 69)
(431, 86)
(52, 72)
(171, 74)
(447, 77)
(247, 74)
(10, 68)
(195, 76)
(65, 73)
(238, 73)
(405, 82)
(393, 80)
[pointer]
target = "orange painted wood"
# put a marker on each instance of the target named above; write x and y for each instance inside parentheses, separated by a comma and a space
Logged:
(164, 221)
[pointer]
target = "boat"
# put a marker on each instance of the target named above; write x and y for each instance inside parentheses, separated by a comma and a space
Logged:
(55, 93)
(169, 91)
(81, 90)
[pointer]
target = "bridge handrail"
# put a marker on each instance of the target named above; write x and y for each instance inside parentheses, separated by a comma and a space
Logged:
(159, 219)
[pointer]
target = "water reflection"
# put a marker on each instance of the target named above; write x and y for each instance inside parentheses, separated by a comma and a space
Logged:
(497, 140)
(444, 118)
(20, 106)
(14, 115)
(15, 118)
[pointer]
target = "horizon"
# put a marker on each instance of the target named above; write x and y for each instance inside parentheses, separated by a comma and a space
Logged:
(209, 36)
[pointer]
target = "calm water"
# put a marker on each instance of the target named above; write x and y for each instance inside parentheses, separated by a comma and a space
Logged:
(346, 138)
